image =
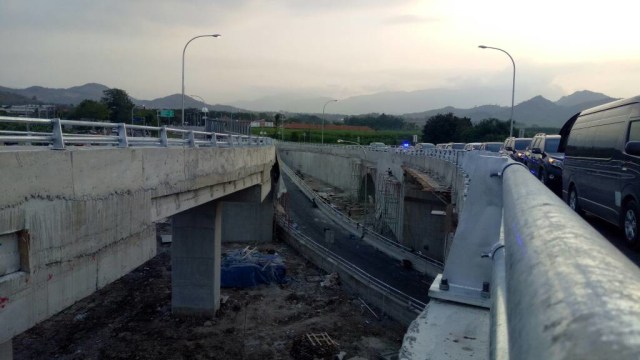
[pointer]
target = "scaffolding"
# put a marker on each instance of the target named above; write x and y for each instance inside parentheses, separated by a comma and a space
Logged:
(389, 193)
(357, 169)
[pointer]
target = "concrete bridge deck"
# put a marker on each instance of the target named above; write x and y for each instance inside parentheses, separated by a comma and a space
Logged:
(72, 221)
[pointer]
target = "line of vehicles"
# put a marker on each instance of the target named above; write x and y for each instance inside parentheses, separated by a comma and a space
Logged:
(593, 163)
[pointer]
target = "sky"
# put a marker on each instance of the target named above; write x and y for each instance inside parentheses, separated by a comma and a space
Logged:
(322, 48)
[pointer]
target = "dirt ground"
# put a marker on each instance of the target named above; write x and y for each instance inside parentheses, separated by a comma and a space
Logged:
(131, 319)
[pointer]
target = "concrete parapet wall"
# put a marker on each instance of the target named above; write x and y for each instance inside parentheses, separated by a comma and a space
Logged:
(85, 216)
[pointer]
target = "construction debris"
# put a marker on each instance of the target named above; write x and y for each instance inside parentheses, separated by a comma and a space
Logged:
(249, 267)
(314, 346)
(331, 281)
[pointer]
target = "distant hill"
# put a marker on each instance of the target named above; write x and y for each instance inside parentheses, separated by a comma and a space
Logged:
(73, 95)
(175, 102)
(536, 111)
(7, 98)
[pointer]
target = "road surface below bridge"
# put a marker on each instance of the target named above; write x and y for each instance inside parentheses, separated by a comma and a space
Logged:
(312, 222)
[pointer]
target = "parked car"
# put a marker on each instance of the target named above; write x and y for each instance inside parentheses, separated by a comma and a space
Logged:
(441, 146)
(515, 147)
(455, 146)
(601, 173)
(545, 161)
(472, 146)
(378, 146)
(492, 146)
(424, 146)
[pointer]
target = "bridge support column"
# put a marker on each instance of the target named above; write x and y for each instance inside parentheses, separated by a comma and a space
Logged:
(195, 260)
(6, 350)
(246, 217)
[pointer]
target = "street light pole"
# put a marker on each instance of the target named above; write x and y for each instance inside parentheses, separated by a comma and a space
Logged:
(325, 105)
(513, 88)
(183, 52)
(133, 107)
(203, 108)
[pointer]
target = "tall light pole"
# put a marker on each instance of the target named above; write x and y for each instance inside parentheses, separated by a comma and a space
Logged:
(204, 108)
(325, 105)
(513, 88)
(133, 107)
(183, 52)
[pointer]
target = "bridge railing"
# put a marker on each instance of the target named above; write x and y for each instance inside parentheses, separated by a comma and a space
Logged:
(568, 292)
(117, 134)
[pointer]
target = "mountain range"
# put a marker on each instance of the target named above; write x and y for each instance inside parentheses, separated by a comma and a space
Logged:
(537, 111)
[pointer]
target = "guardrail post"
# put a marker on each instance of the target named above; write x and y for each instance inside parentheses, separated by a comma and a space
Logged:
(122, 135)
(192, 139)
(214, 140)
(58, 138)
(164, 141)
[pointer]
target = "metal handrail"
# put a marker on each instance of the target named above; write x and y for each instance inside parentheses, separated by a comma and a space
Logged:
(413, 303)
(165, 135)
(570, 294)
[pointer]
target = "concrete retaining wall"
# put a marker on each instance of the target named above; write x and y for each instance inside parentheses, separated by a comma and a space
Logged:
(85, 216)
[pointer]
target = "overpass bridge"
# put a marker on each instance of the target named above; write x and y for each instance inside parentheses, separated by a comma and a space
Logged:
(78, 218)
(75, 218)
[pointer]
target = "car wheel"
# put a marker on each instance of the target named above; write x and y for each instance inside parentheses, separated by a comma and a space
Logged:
(573, 200)
(630, 223)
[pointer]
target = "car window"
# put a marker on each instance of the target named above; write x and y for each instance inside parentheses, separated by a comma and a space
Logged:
(551, 145)
(522, 144)
(634, 131)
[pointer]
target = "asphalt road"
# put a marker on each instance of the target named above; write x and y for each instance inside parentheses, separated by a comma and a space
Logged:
(312, 222)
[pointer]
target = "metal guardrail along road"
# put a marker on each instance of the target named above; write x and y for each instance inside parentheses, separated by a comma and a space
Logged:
(119, 134)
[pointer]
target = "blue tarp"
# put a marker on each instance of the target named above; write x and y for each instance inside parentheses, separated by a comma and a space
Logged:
(247, 268)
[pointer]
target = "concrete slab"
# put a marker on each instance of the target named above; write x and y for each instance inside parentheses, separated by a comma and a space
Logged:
(447, 331)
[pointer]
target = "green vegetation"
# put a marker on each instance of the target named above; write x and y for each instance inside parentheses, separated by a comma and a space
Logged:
(380, 122)
(443, 128)
(388, 137)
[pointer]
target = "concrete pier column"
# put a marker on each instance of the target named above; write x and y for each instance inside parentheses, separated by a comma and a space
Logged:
(247, 216)
(195, 260)
(6, 350)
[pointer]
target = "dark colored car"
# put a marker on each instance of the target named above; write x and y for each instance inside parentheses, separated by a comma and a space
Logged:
(545, 161)
(515, 147)
(492, 146)
(601, 172)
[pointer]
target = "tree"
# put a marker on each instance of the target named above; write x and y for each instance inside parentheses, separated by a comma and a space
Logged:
(443, 128)
(90, 109)
(490, 130)
(119, 105)
(276, 120)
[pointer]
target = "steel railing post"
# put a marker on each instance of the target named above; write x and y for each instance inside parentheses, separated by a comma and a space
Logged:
(122, 135)
(58, 137)
(164, 139)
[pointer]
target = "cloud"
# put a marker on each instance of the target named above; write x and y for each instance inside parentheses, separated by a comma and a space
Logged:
(411, 19)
